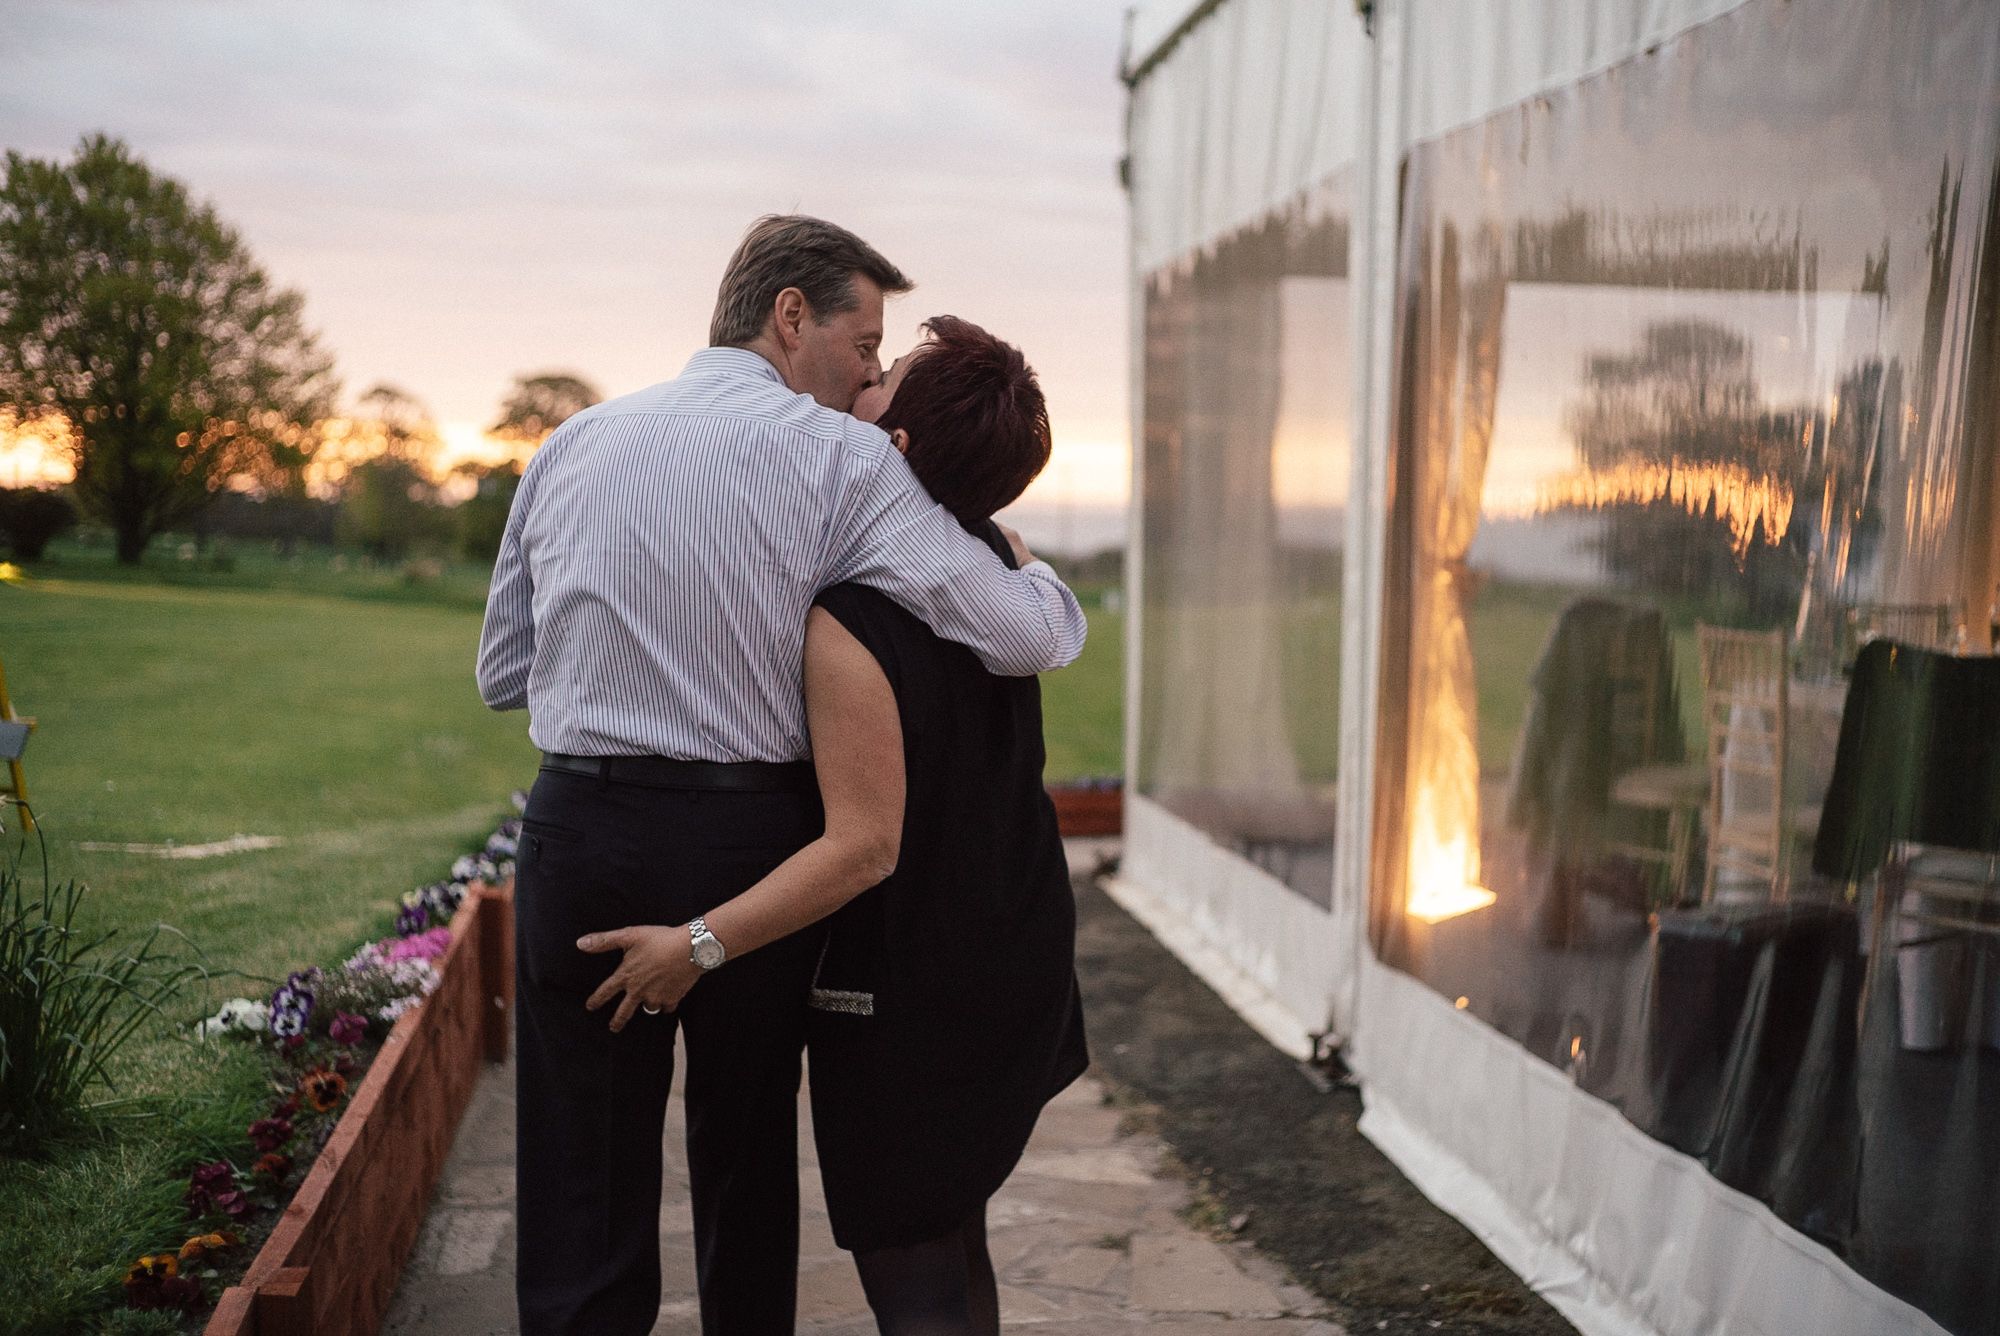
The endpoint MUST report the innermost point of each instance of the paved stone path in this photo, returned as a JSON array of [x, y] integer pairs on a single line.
[[1088, 1237]]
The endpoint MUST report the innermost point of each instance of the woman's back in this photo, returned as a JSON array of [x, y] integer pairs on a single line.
[[948, 1011]]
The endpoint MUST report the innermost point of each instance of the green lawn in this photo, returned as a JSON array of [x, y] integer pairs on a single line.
[[1083, 715], [310, 699], [346, 726]]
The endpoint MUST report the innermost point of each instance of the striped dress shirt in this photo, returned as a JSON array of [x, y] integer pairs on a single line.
[[664, 548]]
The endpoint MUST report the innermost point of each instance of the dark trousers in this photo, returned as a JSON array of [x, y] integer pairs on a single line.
[[592, 1104]]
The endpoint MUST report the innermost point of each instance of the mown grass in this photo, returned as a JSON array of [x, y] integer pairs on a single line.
[[187, 713], [325, 703], [1083, 713]]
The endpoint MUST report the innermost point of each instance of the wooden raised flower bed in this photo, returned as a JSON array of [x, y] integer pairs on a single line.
[[1095, 808], [331, 1266]]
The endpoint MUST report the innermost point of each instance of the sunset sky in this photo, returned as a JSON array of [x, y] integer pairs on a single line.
[[465, 192]]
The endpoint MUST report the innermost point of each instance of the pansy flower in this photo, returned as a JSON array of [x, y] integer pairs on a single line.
[[204, 1183], [201, 1245], [267, 1134], [144, 1280], [217, 1173], [291, 1007], [323, 1089], [274, 1165], [347, 1029]]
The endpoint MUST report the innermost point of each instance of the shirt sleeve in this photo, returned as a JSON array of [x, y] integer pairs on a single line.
[[896, 539], [507, 639]]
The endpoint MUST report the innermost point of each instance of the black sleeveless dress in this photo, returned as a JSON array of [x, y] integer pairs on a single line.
[[946, 1011]]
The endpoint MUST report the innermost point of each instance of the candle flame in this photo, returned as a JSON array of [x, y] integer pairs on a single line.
[[1444, 863]]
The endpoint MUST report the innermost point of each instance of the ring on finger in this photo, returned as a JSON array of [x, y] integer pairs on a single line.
[[650, 1011]]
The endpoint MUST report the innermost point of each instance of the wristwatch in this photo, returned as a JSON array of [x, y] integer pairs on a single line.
[[704, 948]]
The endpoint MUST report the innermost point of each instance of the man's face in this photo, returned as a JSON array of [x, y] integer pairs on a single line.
[[873, 402], [838, 359]]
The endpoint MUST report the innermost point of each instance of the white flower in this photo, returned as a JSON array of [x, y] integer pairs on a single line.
[[248, 1014], [238, 1013], [367, 958]]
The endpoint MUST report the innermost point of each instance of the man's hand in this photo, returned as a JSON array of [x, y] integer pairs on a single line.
[[1014, 540], [656, 971]]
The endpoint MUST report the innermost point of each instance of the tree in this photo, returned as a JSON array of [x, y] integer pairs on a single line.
[[540, 404], [137, 316], [32, 517], [407, 431], [482, 517], [1692, 468], [387, 507], [388, 503]]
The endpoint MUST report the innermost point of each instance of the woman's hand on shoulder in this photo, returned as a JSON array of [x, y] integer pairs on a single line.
[[1014, 540]]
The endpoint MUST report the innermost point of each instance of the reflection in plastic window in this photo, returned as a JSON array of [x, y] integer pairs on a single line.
[[1696, 401], [1246, 473]]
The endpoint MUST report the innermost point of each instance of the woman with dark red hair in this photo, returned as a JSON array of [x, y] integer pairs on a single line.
[[945, 1011]]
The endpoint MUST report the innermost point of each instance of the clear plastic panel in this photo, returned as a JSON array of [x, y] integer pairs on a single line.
[[1246, 475], [1696, 398]]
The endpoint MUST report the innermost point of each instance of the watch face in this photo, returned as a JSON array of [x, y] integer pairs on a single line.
[[708, 952]]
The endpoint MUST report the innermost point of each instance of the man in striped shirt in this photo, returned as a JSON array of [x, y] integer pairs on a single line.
[[649, 608]]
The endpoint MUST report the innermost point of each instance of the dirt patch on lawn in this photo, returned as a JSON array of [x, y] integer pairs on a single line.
[[1278, 1160]]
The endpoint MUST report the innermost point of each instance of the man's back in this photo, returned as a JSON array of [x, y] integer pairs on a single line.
[[665, 547]]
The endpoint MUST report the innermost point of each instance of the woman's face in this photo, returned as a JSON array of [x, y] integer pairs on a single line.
[[873, 401]]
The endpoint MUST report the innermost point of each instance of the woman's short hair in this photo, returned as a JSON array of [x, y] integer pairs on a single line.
[[979, 428], [783, 251]]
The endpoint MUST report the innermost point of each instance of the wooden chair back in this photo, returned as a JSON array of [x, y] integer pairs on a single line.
[[1927, 625], [1744, 678]]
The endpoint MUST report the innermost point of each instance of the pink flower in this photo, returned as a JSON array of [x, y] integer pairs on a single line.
[[232, 1204], [418, 946], [347, 1029]]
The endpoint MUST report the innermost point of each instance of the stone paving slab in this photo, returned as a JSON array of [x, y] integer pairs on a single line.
[[1088, 1238]]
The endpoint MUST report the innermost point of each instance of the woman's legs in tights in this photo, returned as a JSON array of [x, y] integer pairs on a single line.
[[942, 1287]]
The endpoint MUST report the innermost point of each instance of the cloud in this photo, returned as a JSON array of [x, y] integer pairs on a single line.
[[466, 191]]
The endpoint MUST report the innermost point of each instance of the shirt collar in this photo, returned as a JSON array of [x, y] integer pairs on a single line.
[[731, 362]]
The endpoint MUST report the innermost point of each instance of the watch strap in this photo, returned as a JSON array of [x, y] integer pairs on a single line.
[[698, 929]]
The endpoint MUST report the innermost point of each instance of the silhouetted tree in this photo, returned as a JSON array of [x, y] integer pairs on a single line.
[[136, 315], [388, 503], [31, 518], [1676, 417], [481, 518], [540, 404]]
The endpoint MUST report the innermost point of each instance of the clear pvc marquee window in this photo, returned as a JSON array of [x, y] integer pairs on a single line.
[[1696, 397], [1246, 458]]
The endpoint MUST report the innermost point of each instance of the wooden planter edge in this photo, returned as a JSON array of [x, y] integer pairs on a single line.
[[331, 1265], [1092, 811]]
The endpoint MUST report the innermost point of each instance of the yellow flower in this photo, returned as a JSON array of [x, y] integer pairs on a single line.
[[154, 1266], [201, 1245]]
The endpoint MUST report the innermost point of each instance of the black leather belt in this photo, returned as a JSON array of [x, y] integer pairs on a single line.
[[662, 772]]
